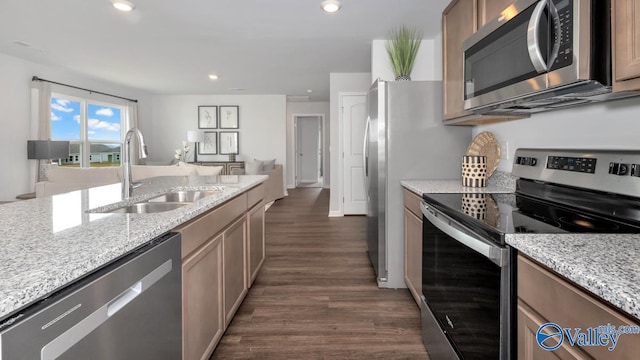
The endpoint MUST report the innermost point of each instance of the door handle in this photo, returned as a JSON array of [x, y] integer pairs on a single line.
[[498, 255], [533, 42], [365, 155]]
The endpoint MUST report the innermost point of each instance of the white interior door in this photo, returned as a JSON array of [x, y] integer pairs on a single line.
[[308, 145], [354, 118]]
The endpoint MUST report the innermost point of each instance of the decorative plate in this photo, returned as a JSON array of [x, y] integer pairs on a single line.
[[485, 144]]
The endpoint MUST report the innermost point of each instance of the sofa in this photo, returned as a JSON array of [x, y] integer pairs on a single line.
[[274, 186], [58, 179]]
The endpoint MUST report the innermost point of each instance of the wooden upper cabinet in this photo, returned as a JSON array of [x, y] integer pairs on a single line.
[[625, 18], [457, 25], [459, 21]]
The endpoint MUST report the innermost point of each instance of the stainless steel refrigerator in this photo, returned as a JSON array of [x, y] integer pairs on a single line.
[[404, 140]]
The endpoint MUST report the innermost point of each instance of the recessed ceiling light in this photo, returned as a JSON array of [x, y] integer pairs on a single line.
[[213, 76], [309, 91], [331, 6], [123, 5]]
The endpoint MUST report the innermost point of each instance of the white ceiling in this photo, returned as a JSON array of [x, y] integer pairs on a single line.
[[169, 47]]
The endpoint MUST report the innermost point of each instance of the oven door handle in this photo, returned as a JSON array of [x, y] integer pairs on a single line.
[[495, 253]]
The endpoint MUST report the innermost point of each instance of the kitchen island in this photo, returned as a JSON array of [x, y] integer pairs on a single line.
[[49, 242]]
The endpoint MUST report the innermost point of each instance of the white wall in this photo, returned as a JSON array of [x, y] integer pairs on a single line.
[[611, 125], [340, 82], [428, 64], [262, 125], [15, 107], [307, 108]]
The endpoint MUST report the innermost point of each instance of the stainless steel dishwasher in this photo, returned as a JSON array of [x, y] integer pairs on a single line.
[[129, 309]]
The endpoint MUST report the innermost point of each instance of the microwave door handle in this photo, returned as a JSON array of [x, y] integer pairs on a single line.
[[558, 38], [496, 254], [533, 42]]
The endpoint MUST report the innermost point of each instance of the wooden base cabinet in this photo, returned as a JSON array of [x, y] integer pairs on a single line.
[[544, 297], [257, 248], [222, 251], [203, 323], [625, 33], [413, 244], [235, 284]]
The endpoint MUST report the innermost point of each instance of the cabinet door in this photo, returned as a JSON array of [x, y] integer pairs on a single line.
[[256, 241], [202, 320], [413, 254], [235, 284], [626, 44], [528, 348], [490, 9], [458, 23]]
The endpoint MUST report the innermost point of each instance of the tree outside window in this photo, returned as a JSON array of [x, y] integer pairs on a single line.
[[93, 129]]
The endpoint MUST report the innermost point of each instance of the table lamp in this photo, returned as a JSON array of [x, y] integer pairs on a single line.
[[46, 150], [195, 137]]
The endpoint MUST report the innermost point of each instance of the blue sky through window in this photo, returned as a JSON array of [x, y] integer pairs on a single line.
[[103, 122]]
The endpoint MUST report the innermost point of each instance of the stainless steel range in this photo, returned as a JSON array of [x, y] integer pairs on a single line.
[[468, 270]]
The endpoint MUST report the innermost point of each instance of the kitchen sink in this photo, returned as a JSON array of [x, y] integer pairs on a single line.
[[148, 207], [165, 202], [182, 196]]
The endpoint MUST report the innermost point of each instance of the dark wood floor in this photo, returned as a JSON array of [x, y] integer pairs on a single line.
[[316, 297]]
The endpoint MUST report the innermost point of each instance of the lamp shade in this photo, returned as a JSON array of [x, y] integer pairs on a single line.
[[47, 149], [195, 136]]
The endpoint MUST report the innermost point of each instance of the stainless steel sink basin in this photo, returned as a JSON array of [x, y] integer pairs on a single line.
[[182, 196], [148, 207]]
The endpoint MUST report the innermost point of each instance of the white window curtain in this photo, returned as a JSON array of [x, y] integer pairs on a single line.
[[130, 122], [40, 120]]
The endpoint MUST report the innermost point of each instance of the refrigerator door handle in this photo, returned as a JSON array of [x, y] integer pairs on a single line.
[[365, 154]]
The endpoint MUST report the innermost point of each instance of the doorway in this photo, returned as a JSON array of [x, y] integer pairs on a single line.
[[308, 143]]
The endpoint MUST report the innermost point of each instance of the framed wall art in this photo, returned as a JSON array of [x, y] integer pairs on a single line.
[[229, 143], [209, 146], [207, 117], [229, 117]]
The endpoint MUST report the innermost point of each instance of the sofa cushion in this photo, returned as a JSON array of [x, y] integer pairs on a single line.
[[267, 165], [101, 175], [203, 170], [146, 171], [253, 167]]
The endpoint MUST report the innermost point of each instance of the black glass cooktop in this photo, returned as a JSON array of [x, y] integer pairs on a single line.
[[540, 208]]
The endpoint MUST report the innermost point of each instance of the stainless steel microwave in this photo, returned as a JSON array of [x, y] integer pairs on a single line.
[[540, 55]]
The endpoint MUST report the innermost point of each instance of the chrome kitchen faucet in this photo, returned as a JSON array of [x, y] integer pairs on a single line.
[[127, 184]]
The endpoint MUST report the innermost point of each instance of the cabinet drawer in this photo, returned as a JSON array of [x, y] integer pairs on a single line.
[[197, 231], [255, 195], [563, 303], [412, 202]]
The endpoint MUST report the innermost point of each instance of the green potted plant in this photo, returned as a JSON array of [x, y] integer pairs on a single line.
[[402, 48]]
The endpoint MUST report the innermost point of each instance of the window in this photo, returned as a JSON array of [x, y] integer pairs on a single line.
[[94, 130]]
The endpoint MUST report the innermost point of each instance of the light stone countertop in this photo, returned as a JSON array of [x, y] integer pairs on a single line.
[[50, 242], [607, 265]]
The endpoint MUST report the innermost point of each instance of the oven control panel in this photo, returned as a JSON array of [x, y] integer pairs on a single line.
[[612, 171], [568, 163]]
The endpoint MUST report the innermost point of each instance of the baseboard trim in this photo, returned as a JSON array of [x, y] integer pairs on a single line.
[[335, 213]]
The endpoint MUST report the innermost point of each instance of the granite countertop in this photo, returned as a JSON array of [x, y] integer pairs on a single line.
[[606, 265], [50, 242]]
